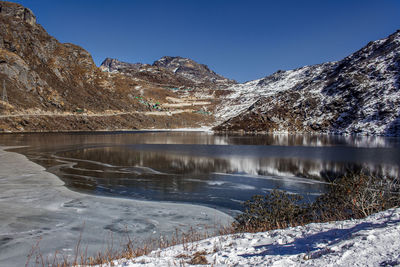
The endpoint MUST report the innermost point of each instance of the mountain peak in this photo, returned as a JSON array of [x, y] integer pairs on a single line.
[[114, 65], [177, 68], [170, 60], [192, 70]]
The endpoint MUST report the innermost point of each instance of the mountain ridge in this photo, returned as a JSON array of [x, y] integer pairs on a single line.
[[358, 94], [182, 70]]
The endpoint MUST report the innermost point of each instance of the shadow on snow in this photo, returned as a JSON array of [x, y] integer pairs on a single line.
[[312, 243]]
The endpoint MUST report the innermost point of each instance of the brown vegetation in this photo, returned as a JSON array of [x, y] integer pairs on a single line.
[[47, 76], [130, 250], [351, 196]]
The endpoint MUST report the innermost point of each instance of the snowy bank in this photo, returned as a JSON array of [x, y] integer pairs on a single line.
[[373, 241], [35, 205]]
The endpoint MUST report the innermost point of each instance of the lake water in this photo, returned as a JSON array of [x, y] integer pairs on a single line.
[[218, 171]]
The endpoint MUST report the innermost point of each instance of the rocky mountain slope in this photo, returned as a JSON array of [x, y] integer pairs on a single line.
[[359, 94], [48, 85], [41, 73], [146, 72], [175, 71]]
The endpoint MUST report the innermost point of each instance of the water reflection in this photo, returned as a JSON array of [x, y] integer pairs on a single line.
[[198, 138], [215, 170], [180, 159], [313, 140]]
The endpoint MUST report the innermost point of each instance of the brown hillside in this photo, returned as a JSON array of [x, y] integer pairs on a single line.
[[42, 76]]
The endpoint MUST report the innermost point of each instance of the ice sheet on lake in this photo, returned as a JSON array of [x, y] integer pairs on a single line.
[[35, 204]]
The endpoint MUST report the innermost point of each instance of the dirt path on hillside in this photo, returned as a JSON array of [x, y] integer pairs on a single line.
[[159, 113]]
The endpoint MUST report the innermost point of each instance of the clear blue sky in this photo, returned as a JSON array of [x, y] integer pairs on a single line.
[[242, 40]]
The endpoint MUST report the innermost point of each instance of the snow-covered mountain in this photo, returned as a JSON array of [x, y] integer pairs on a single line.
[[359, 94]]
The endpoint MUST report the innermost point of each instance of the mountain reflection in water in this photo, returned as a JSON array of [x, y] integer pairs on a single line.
[[202, 168]]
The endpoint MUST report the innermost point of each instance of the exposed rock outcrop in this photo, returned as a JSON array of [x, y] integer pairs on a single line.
[[17, 12]]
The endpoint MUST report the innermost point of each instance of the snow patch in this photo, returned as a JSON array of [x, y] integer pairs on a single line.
[[373, 241]]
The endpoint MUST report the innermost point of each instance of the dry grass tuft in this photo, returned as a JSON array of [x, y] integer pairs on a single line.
[[129, 251], [199, 258]]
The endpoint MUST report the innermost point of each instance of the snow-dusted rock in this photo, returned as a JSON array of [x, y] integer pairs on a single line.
[[359, 94]]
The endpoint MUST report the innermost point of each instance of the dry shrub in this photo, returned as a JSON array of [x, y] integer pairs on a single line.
[[354, 195], [357, 196], [275, 210]]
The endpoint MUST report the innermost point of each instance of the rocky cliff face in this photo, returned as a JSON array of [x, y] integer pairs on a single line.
[[359, 94], [18, 12]]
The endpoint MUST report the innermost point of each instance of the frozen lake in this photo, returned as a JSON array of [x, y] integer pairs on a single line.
[[202, 168], [190, 179]]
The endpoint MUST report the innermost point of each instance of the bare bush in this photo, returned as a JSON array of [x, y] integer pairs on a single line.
[[354, 195], [275, 210], [357, 196]]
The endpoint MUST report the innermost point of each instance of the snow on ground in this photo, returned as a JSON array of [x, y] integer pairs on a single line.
[[373, 241]]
